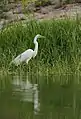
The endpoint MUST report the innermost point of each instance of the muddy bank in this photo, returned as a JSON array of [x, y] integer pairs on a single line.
[[13, 12]]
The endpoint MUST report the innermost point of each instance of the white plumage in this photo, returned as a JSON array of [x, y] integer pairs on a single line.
[[28, 54]]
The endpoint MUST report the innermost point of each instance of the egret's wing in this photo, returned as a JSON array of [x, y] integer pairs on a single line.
[[26, 55], [23, 57]]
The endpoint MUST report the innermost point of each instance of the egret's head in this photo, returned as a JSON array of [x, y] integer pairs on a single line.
[[39, 36]]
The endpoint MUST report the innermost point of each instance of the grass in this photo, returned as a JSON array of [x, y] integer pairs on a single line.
[[59, 53]]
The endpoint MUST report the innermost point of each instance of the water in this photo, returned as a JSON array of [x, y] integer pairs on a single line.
[[40, 97]]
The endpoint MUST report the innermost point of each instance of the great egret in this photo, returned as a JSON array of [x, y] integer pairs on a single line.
[[28, 54]]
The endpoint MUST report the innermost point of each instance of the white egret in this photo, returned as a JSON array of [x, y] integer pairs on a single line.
[[28, 54]]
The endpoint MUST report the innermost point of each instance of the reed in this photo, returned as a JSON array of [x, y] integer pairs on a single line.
[[59, 51]]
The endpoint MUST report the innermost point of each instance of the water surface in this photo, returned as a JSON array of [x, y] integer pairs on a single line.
[[40, 97]]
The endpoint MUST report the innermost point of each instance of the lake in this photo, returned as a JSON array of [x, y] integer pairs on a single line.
[[40, 97]]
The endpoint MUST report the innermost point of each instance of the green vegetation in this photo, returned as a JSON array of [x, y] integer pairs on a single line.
[[42, 3], [59, 53]]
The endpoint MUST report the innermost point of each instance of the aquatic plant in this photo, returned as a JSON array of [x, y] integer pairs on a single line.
[[60, 51]]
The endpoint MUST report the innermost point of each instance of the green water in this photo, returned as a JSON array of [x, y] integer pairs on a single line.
[[40, 97]]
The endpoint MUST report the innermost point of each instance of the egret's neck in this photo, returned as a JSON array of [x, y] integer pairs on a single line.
[[35, 39], [36, 47]]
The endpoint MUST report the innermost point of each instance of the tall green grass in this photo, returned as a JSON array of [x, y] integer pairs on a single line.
[[59, 52]]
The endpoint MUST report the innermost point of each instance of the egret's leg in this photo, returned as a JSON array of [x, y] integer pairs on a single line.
[[27, 60]]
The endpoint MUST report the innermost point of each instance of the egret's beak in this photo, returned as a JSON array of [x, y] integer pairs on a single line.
[[42, 37]]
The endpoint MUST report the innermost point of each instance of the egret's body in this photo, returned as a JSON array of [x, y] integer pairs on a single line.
[[28, 54]]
